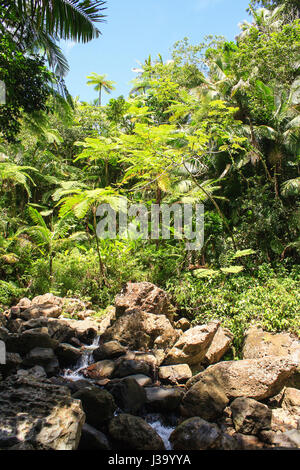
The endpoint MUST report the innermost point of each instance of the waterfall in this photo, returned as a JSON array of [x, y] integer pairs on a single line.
[[85, 360]]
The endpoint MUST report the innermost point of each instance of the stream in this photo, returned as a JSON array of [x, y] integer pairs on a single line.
[[155, 420]]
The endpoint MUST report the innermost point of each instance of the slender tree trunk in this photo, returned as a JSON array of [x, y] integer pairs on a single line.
[[51, 269], [101, 265], [100, 95]]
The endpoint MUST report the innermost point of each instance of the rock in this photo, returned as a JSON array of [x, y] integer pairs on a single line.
[[249, 416], [183, 324], [145, 296], [128, 394], [36, 371], [100, 370], [30, 339], [289, 439], [125, 367], [192, 346], [12, 363], [46, 305], [110, 350], [175, 374], [36, 412], [206, 399], [220, 345], [3, 333], [246, 442], [92, 439], [197, 434], [39, 356], [258, 379], [98, 405], [259, 343], [142, 331], [142, 380], [163, 399], [152, 358], [47, 299], [291, 398], [85, 330], [67, 355], [285, 419], [131, 432]]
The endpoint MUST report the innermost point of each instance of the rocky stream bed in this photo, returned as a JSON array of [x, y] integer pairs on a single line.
[[138, 379]]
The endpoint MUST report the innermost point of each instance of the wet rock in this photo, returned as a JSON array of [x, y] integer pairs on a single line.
[[249, 416], [175, 374], [98, 405], [36, 412], [100, 370], [145, 296], [131, 432], [252, 378], [192, 346], [219, 346], [128, 394], [163, 399], [142, 331], [67, 355], [110, 350], [92, 439], [197, 434]]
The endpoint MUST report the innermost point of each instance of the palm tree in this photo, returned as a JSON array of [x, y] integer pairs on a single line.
[[101, 82], [266, 21], [40, 24]]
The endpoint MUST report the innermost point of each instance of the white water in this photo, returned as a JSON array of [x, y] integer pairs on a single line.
[[163, 431], [85, 360]]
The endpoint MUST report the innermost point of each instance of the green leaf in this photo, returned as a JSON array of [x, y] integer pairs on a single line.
[[232, 269]]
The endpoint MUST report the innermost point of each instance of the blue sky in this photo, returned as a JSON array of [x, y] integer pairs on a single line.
[[136, 28]]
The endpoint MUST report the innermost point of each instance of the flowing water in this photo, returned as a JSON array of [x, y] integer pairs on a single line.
[[85, 360]]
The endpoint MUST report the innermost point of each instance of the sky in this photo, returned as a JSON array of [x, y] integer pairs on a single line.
[[136, 28]]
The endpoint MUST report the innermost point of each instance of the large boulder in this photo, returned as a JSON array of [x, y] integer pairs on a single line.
[[128, 394], [38, 413], [219, 346], [98, 405], [162, 399], [30, 339], [142, 331], [259, 343], [192, 346], [67, 355], [145, 296], [206, 399], [131, 432], [92, 439], [253, 378], [249, 416], [197, 434]]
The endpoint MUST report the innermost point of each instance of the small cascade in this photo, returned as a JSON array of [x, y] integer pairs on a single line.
[[85, 360], [163, 430]]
